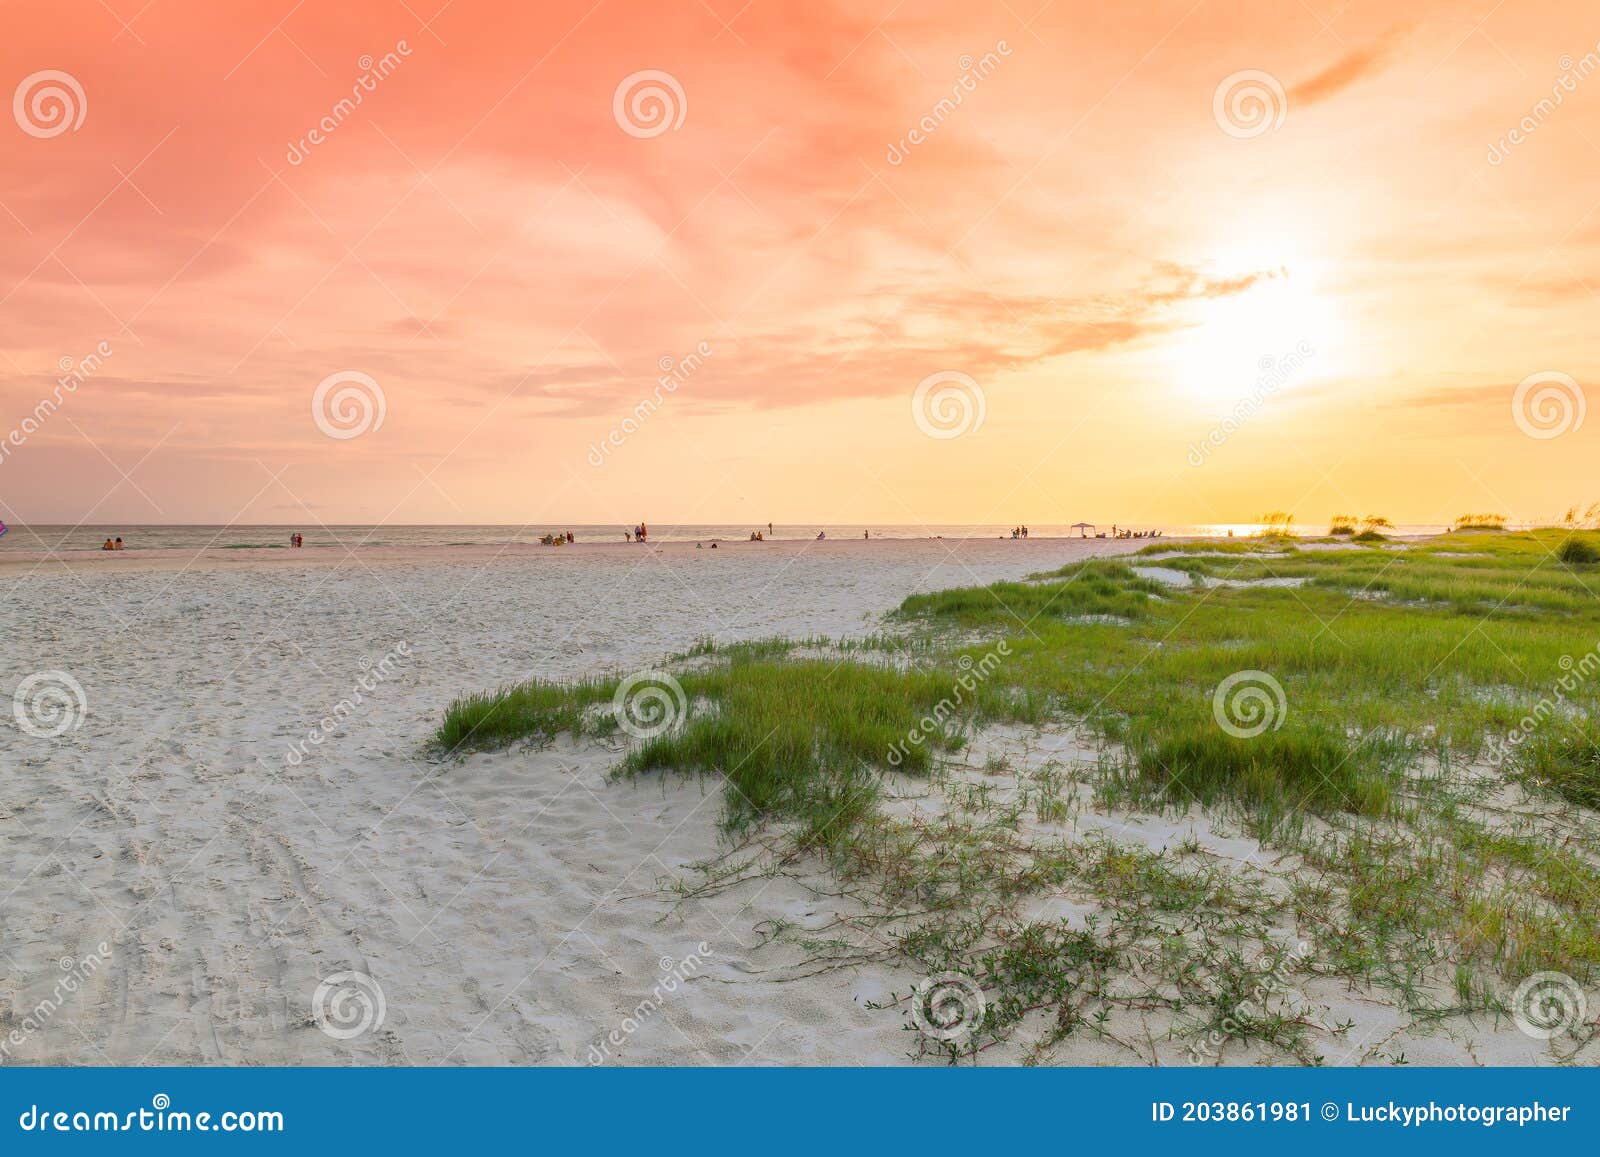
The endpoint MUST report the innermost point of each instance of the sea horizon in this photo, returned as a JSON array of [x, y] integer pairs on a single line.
[[210, 536]]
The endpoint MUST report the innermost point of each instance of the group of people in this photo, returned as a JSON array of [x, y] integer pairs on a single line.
[[1019, 532], [557, 538], [297, 540], [640, 533], [112, 544], [1116, 533]]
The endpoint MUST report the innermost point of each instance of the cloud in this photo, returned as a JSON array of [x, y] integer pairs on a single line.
[[1346, 71]]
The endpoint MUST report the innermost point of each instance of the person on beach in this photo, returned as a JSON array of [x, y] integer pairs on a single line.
[[108, 545], [627, 536], [119, 544], [821, 534]]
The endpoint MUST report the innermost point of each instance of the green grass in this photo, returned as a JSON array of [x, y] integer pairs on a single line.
[[1397, 664], [1565, 758], [1579, 552], [1314, 770]]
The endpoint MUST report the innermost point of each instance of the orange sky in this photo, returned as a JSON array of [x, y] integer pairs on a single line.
[[1102, 254]]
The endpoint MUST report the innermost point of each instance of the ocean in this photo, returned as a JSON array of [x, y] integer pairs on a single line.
[[240, 537]]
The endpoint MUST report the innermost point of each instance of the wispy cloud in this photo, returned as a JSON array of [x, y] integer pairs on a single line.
[[1353, 66]]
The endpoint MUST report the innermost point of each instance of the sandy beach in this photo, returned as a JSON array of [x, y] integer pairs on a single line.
[[508, 904], [218, 851]]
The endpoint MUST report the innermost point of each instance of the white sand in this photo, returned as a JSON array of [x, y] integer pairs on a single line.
[[509, 905], [506, 904]]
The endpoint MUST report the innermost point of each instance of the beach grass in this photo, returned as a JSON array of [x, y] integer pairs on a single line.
[[1361, 707]]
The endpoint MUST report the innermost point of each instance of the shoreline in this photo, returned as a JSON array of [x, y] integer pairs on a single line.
[[242, 558]]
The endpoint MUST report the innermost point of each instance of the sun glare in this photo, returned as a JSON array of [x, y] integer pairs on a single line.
[[1275, 335]]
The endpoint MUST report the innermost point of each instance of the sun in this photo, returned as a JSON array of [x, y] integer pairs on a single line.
[[1278, 332]]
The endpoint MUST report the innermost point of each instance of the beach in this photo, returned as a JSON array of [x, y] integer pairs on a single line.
[[508, 904], [242, 838]]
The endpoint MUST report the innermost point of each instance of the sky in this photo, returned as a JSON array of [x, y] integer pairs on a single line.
[[726, 261]]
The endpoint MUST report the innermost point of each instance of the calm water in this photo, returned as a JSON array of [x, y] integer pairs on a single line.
[[89, 537]]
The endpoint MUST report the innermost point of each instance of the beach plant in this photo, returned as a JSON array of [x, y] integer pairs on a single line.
[[1479, 522], [1276, 524], [1381, 678], [1577, 551]]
